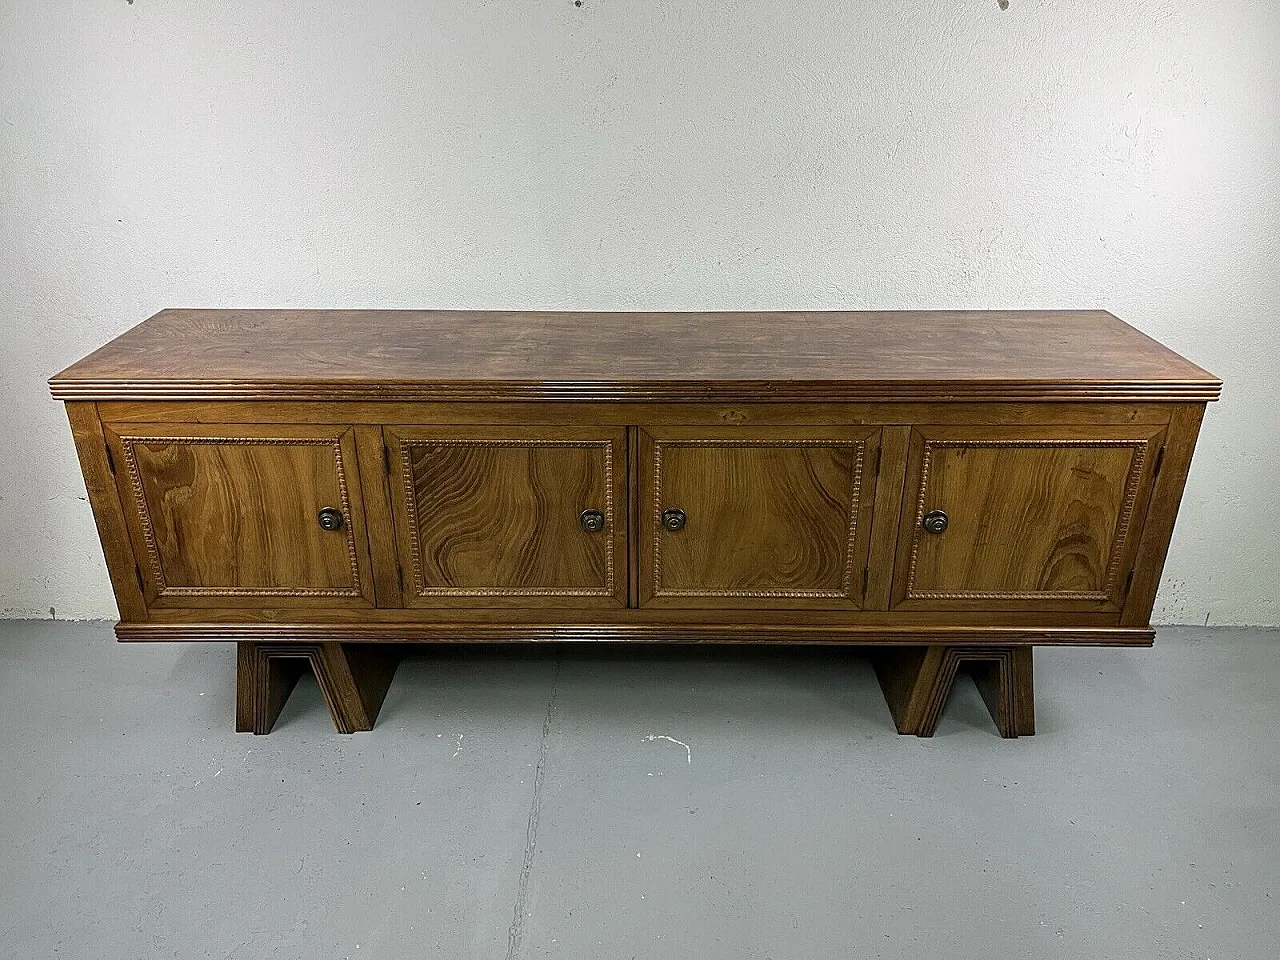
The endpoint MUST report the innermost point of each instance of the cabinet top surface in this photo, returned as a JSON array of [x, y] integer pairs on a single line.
[[509, 355]]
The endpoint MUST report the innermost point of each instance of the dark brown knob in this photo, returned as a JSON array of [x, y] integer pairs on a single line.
[[673, 518], [592, 521], [330, 518], [935, 521]]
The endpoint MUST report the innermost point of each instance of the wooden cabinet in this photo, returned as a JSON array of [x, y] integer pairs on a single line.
[[511, 515], [949, 489], [759, 517]]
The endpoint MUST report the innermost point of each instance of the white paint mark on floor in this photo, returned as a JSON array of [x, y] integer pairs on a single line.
[[459, 749], [662, 736]]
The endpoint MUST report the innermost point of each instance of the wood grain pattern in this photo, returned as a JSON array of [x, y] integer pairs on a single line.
[[776, 517], [375, 483], [458, 355], [1035, 519], [228, 515], [491, 517]]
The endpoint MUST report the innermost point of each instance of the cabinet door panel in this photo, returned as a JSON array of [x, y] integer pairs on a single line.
[[773, 517], [1035, 518], [228, 514], [493, 515]]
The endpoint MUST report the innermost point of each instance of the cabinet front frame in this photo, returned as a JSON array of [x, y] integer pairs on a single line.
[[93, 421]]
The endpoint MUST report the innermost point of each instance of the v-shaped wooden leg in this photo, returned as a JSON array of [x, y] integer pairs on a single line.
[[353, 678], [917, 682]]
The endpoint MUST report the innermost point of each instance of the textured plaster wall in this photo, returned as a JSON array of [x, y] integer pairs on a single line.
[[711, 154]]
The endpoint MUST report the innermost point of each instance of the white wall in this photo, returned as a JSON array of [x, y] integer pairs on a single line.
[[710, 154]]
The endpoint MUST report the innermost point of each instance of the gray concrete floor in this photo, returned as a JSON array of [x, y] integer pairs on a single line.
[[526, 803]]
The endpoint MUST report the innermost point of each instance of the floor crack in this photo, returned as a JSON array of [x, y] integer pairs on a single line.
[[515, 933]]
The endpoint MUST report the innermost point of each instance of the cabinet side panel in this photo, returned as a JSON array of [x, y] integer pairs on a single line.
[[1162, 511], [108, 514]]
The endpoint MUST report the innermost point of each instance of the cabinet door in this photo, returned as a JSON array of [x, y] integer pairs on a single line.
[[513, 516], [243, 515], [755, 517], [1022, 518]]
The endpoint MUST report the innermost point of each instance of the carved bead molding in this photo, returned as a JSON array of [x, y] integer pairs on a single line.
[[420, 586], [1118, 543], [164, 589], [846, 587]]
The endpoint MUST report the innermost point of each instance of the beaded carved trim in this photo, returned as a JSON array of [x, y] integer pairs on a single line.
[[164, 589], [421, 588], [1117, 544], [859, 446]]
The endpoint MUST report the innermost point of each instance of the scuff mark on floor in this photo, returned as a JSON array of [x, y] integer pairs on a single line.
[[459, 747], [662, 736]]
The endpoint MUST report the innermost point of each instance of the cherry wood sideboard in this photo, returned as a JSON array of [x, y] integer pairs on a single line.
[[952, 488]]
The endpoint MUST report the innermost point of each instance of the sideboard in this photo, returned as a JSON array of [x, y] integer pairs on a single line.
[[950, 489]]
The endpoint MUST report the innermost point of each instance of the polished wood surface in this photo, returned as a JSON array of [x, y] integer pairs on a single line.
[[775, 517], [229, 514], [497, 355], [459, 451], [1038, 518], [493, 516]]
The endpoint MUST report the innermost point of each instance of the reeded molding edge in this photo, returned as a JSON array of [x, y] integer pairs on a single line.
[[669, 391], [735, 633]]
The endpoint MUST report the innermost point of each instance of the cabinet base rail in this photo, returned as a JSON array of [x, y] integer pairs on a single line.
[[474, 631]]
